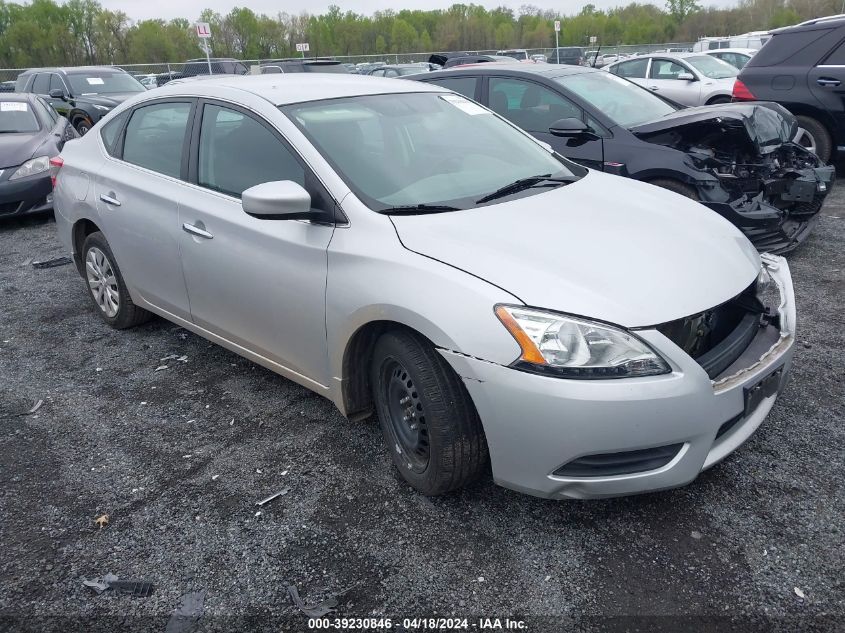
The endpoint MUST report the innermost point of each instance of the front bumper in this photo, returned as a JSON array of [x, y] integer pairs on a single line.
[[536, 424], [33, 194], [783, 215]]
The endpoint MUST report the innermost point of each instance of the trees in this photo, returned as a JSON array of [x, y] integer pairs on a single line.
[[44, 32]]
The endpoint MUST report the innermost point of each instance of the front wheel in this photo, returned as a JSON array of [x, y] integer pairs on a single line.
[[106, 286], [813, 136], [83, 126], [429, 423]]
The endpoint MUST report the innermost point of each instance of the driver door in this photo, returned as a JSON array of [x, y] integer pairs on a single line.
[[534, 108], [663, 80]]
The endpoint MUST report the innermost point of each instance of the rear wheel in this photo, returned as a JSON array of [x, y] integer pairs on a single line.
[[106, 286], [428, 420], [815, 137], [676, 186]]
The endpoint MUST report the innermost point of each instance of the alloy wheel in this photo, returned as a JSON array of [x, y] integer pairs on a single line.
[[102, 281], [805, 140]]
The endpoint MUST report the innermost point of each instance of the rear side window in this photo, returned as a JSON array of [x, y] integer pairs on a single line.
[[237, 152], [837, 57], [635, 69], [110, 132], [784, 45], [155, 137], [41, 85], [462, 85]]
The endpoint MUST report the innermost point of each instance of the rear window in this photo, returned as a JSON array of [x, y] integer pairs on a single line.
[[782, 46], [16, 116]]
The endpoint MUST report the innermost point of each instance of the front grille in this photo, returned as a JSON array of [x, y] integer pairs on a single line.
[[623, 463], [715, 338], [9, 207]]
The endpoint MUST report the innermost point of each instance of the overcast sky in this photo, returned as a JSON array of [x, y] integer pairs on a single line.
[[144, 9]]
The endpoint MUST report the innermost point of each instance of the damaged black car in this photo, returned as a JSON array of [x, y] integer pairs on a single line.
[[738, 159]]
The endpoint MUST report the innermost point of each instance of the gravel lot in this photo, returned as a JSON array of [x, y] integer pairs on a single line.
[[178, 458]]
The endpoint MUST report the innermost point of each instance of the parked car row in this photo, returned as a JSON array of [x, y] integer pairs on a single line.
[[405, 252]]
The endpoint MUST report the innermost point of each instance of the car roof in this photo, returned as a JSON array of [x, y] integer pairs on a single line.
[[73, 70], [16, 96], [283, 89], [518, 68], [747, 51]]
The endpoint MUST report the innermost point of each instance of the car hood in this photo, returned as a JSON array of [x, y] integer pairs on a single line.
[[110, 100], [603, 247], [768, 125], [16, 149]]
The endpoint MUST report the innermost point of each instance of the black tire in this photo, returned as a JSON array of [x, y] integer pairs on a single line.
[[83, 126], [127, 314], [819, 132], [413, 385], [676, 186]]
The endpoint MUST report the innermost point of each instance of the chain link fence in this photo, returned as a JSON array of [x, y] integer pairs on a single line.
[[160, 72]]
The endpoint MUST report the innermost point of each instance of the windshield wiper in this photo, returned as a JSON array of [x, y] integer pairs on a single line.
[[526, 183], [418, 209]]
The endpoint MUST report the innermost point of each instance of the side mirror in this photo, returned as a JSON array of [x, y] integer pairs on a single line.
[[569, 127], [58, 93], [278, 200], [686, 77]]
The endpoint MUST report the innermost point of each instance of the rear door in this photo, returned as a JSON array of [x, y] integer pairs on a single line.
[[663, 79], [136, 193], [635, 70], [260, 283], [534, 107], [827, 83]]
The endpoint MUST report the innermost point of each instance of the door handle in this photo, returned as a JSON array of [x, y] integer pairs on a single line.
[[823, 81], [195, 230], [110, 200]]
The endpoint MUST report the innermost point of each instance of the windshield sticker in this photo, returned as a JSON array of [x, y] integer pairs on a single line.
[[94, 81], [14, 106], [464, 104]]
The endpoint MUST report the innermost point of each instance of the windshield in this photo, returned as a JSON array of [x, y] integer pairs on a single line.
[[103, 82], [711, 67], [408, 149], [620, 100], [16, 116]]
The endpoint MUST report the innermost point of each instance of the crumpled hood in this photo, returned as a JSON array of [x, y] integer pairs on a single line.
[[110, 100], [768, 125], [604, 247], [16, 149]]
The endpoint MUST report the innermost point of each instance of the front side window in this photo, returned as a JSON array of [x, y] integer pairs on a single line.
[[103, 82], [635, 69], [155, 137], [237, 152], [56, 83], [711, 67], [665, 69], [530, 106], [462, 85], [620, 100], [432, 149]]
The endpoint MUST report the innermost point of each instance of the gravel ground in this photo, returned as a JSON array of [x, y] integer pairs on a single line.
[[178, 458]]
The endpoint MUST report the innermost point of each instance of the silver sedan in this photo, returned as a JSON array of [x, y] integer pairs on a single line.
[[691, 79], [406, 253]]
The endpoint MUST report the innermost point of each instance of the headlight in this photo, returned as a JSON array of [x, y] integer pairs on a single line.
[[32, 167], [576, 348], [102, 107]]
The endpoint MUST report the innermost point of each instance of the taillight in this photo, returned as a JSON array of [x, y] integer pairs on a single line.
[[56, 164], [742, 93]]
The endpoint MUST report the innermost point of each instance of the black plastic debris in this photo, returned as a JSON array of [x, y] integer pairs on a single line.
[[134, 588], [185, 617], [52, 263], [312, 610]]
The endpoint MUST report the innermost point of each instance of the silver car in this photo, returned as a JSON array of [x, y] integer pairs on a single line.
[[691, 79], [404, 252]]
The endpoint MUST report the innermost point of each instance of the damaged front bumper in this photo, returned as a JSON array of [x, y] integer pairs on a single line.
[[783, 214], [563, 438]]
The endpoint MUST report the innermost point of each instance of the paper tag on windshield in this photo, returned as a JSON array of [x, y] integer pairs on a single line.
[[14, 106], [94, 81], [464, 104]]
